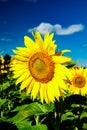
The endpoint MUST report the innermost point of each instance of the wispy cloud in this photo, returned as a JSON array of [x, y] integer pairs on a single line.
[[69, 30], [57, 28], [3, 39]]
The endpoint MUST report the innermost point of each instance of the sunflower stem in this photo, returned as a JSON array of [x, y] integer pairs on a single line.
[[37, 120], [58, 113]]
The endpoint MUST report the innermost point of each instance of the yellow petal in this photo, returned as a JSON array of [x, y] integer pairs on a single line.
[[38, 37], [61, 59], [22, 51], [25, 83], [30, 86], [29, 42], [57, 92], [21, 58], [21, 65], [50, 92], [35, 90], [64, 71], [49, 44], [85, 72], [45, 96], [51, 49], [42, 91], [18, 73], [48, 39], [22, 77]]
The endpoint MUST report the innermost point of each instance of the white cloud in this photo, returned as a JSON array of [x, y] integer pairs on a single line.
[[57, 28], [42, 28], [69, 30]]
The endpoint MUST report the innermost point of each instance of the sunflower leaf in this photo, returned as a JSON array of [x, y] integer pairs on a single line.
[[30, 110], [36, 127], [72, 64]]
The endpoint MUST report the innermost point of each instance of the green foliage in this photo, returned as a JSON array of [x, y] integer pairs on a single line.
[[74, 113], [18, 110]]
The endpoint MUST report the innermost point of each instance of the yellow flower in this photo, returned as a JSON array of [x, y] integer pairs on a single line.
[[78, 81], [1, 64], [38, 69]]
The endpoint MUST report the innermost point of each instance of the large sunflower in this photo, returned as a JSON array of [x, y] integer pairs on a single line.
[[39, 69], [78, 81]]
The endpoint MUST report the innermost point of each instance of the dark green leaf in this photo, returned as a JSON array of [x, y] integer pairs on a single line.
[[72, 64]]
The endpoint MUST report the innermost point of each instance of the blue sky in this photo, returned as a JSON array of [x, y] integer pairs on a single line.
[[66, 18]]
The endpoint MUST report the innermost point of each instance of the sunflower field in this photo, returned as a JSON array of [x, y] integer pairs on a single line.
[[42, 89]]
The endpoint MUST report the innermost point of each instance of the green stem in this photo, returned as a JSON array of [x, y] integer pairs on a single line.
[[58, 113], [37, 120], [1, 114]]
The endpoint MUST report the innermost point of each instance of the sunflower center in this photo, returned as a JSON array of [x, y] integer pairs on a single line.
[[79, 81], [41, 67]]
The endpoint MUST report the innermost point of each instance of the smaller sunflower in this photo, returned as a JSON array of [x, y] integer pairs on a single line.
[[77, 82]]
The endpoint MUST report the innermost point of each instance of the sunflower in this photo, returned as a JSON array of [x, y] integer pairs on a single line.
[[78, 81], [1, 64], [39, 69]]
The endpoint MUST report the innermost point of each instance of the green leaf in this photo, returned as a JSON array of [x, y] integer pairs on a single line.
[[84, 114], [19, 108], [36, 127], [2, 101], [72, 64], [19, 117], [35, 108], [22, 124], [4, 85], [30, 110], [39, 109], [67, 115], [48, 107], [84, 126]]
